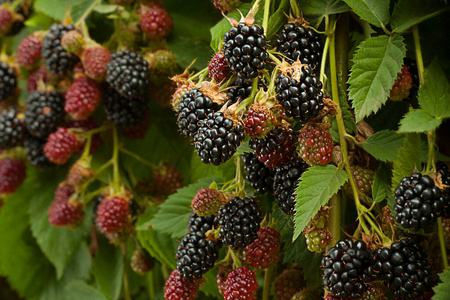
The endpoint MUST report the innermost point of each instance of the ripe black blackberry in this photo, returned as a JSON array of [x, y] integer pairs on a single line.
[[34, 149], [299, 91], [298, 41], [239, 222], [286, 180], [128, 74], [258, 175], [44, 113], [193, 108], [242, 88], [8, 81], [442, 168], [218, 137], [201, 224], [245, 49], [196, 254], [12, 128], [404, 268], [122, 111], [346, 268], [419, 202], [58, 60]]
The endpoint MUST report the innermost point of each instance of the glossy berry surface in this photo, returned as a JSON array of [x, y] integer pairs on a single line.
[[218, 67], [8, 81], [318, 239], [241, 284], [95, 60], [156, 22], [402, 85], [34, 148], [29, 51], [264, 252], [113, 214], [12, 128], [226, 5], [141, 261], [315, 145], [82, 98], [258, 175], [259, 121], [207, 201], [179, 288], [12, 174], [60, 146], [64, 212]]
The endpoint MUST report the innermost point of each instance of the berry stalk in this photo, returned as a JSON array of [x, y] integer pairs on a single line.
[[418, 48], [442, 243], [138, 158], [126, 288], [267, 283], [265, 23], [115, 160]]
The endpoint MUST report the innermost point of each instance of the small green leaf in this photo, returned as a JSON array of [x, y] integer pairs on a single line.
[[322, 8], [408, 13], [381, 183], [377, 62], [77, 290], [442, 290], [82, 8], [408, 158], [418, 121], [174, 212], [316, 187], [108, 269], [384, 145], [244, 148], [277, 19], [375, 12], [106, 8], [434, 93]]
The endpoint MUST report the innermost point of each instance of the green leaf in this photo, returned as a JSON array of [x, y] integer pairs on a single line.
[[408, 158], [442, 290], [82, 8], [106, 8], [322, 8], [57, 8], [77, 290], [408, 13], [108, 269], [375, 12], [316, 187], [277, 19], [418, 121], [377, 62], [434, 93], [384, 145], [381, 183], [57, 243], [244, 148], [174, 212]]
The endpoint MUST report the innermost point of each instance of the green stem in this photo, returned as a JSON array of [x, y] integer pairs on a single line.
[[431, 160], [354, 140], [97, 130], [266, 16], [442, 243], [151, 286], [115, 160], [200, 73], [418, 48], [236, 261], [342, 49], [274, 58], [138, 158], [87, 147], [267, 283], [126, 287], [324, 60], [334, 222]]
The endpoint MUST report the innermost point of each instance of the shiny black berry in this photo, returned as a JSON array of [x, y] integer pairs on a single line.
[[245, 49], [8, 81], [12, 129], [239, 222], [197, 223], [218, 138], [58, 60], [286, 180], [345, 268], [299, 91], [128, 74], [34, 148], [242, 88], [298, 42], [418, 202], [258, 175]]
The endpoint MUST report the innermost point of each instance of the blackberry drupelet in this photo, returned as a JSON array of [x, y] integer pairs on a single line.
[[242, 88], [404, 268], [276, 148], [299, 91], [128, 74], [44, 113], [241, 284], [12, 128], [196, 254], [193, 108], [197, 223], [264, 252], [34, 149], [300, 42], [259, 121], [122, 111], [245, 49], [8, 81], [419, 202], [208, 201], [258, 175], [179, 288], [239, 222], [58, 60], [285, 182], [346, 268], [442, 168], [218, 138]]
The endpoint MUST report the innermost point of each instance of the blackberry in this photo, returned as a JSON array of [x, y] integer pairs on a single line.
[[402, 85], [241, 284], [276, 148], [218, 69], [239, 222], [245, 49], [44, 113], [258, 175], [34, 149], [419, 202], [23, 10], [226, 5], [259, 121], [12, 129], [442, 168], [318, 239], [193, 108], [264, 252], [218, 138], [412, 67], [404, 268], [346, 268], [196, 254], [208, 201], [299, 42], [8, 81], [58, 60], [179, 288], [285, 182], [315, 144], [222, 274], [12, 174], [299, 91], [141, 261], [122, 111], [197, 223], [242, 88], [128, 74], [289, 282]]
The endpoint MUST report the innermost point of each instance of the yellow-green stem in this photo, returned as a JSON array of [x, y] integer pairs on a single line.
[[266, 15], [151, 285], [236, 261], [97, 130], [267, 283], [324, 60], [431, 161], [334, 222], [115, 159], [126, 287], [138, 158], [87, 147], [442, 243], [418, 48]]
